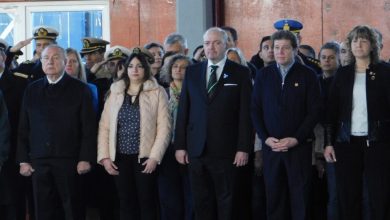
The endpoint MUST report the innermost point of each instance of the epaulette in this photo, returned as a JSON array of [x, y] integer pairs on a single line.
[[28, 62], [22, 75], [314, 61]]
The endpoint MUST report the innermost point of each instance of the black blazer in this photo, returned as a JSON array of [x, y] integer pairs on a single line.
[[339, 105], [218, 126], [57, 121]]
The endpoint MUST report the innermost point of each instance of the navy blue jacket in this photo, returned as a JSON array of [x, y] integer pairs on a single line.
[[289, 110], [57, 121], [220, 126]]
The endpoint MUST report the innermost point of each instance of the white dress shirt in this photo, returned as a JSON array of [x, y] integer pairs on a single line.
[[220, 65]]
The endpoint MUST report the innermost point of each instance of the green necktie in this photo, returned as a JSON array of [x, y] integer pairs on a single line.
[[212, 80]]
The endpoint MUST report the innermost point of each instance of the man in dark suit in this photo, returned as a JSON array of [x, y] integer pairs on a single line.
[[285, 109], [12, 190], [213, 130], [57, 136]]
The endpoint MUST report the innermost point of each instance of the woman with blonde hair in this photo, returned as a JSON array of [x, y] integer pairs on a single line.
[[75, 68]]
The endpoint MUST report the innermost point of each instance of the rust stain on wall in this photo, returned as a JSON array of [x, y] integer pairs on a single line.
[[136, 22], [323, 20]]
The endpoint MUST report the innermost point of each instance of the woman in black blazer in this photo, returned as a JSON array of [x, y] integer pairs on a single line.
[[358, 128]]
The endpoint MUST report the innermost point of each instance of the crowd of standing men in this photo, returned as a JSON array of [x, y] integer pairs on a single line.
[[149, 133]]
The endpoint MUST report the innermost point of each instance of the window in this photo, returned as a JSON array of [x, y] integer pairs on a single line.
[[72, 19]]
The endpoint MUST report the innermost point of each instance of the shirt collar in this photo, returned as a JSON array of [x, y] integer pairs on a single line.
[[1, 74], [220, 64], [55, 82], [286, 69]]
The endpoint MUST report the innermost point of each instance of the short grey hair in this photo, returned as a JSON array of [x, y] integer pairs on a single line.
[[62, 50], [176, 38], [221, 32]]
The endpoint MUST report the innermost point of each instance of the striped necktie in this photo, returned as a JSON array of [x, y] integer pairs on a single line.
[[212, 80]]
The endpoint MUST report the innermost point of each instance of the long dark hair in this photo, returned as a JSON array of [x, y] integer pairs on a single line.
[[145, 65]]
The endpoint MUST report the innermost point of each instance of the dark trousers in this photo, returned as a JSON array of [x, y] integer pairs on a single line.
[[258, 198], [318, 196], [99, 193], [12, 192], [353, 160], [137, 191], [212, 182], [287, 182], [53, 180], [174, 189], [333, 204], [242, 199]]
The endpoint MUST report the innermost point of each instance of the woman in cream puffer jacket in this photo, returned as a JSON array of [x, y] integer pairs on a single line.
[[155, 121], [134, 132]]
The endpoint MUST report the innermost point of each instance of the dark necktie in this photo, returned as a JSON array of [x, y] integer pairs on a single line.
[[212, 80]]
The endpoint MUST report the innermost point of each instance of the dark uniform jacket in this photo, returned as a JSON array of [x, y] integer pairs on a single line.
[[57, 121], [31, 69], [311, 62], [13, 87], [4, 131], [102, 85], [339, 113], [218, 126], [289, 110], [10, 179]]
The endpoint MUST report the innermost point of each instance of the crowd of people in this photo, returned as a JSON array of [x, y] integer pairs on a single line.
[[149, 133]]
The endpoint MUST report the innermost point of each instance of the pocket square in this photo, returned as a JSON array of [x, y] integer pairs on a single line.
[[229, 84]]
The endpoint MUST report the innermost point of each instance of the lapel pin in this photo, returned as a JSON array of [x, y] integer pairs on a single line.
[[372, 77], [372, 73], [296, 84], [225, 75]]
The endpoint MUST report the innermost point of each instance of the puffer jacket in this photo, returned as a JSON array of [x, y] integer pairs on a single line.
[[155, 123]]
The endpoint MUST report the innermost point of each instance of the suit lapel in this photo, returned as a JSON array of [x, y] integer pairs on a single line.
[[203, 80]]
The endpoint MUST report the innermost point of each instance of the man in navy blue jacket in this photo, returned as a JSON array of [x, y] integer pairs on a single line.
[[285, 108], [57, 136]]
